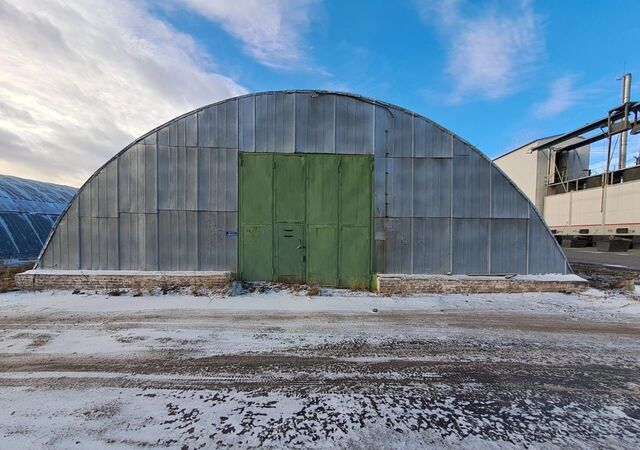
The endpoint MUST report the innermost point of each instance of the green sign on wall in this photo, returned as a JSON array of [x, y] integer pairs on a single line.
[[306, 218]]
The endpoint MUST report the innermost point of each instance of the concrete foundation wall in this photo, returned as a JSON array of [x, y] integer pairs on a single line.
[[460, 284], [109, 280]]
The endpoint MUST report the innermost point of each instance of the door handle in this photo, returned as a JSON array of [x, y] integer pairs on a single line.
[[300, 246]]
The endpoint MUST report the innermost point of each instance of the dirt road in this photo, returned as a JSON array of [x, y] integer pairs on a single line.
[[492, 371]]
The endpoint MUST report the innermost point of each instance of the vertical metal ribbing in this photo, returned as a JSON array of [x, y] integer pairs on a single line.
[[411, 220], [528, 233], [295, 138], [490, 222], [158, 201], [451, 207], [197, 173]]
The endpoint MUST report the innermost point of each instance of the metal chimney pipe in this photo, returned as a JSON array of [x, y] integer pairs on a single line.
[[626, 97]]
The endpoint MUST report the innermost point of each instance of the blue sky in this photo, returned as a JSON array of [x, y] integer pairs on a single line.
[[499, 73], [400, 52]]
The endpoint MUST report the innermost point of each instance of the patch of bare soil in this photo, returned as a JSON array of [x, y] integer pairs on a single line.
[[603, 277]]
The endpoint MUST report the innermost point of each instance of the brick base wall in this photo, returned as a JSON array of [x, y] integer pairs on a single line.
[[111, 280], [441, 284]]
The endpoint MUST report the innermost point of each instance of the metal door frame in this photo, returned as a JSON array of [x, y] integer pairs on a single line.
[[306, 208]]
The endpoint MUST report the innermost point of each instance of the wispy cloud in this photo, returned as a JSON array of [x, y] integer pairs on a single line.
[[271, 30], [491, 49], [563, 95], [81, 79]]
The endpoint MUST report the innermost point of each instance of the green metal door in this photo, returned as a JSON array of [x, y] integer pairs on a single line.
[[306, 218], [290, 245], [256, 216], [323, 189], [355, 221], [290, 195]]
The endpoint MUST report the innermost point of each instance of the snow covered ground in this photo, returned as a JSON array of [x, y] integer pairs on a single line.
[[341, 370]]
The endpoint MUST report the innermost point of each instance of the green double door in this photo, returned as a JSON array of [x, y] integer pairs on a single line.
[[306, 218]]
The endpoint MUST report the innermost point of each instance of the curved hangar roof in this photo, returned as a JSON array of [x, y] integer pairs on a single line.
[[169, 201], [28, 210]]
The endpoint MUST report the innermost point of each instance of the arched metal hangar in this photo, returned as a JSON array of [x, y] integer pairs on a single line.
[[310, 186]]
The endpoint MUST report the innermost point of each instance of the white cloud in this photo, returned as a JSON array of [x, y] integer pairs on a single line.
[[82, 79], [490, 49], [270, 30], [562, 96]]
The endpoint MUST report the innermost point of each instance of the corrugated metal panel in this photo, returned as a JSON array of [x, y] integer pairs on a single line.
[[94, 186], [182, 132], [399, 187], [217, 174], [73, 235], [246, 116], [506, 201], [191, 177], [140, 180], [471, 193], [380, 246], [224, 125], [402, 134], [226, 182], [112, 230], [150, 179], [383, 133], [84, 201], [173, 133], [470, 246], [163, 136], [275, 123], [178, 240], [431, 141], [398, 257], [380, 187], [86, 242], [508, 246], [431, 241], [124, 202], [191, 130], [353, 126], [315, 123], [544, 254], [137, 241], [102, 193], [204, 128], [62, 258], [111, 189], [432, 187], [126, 230], [217, 237]]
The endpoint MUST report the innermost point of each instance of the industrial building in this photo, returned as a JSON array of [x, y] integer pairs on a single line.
[[582, 202], [28, 210], [302, 186]]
